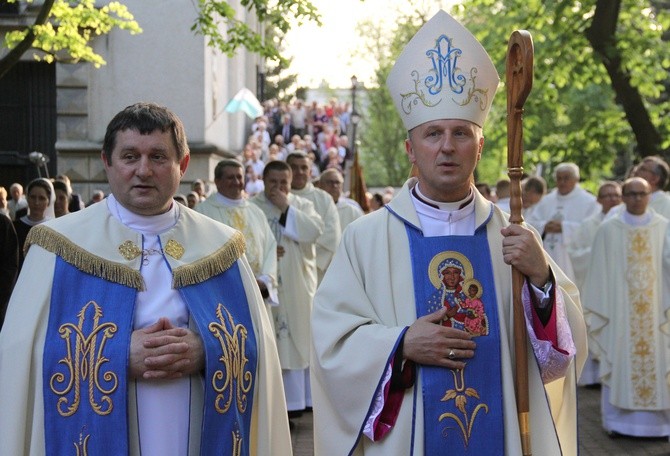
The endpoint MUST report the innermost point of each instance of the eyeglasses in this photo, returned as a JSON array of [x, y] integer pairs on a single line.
[[635, 194], [610, 195]]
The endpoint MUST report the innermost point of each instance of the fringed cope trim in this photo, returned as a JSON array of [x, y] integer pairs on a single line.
[[83, 260], [211, 265], [190, 274]]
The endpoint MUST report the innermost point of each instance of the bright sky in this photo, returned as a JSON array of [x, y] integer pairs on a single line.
[[331, 52]]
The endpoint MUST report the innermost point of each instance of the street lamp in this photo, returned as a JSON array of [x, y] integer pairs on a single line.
[[39, 160]]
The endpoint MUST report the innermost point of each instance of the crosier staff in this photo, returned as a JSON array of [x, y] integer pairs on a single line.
[[519, 77]]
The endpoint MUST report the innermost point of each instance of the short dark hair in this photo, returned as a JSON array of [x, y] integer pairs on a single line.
[[62, 186], [298, 155], [226, 163], [661, 169], [146, 118], [276, 165], [535, 184]]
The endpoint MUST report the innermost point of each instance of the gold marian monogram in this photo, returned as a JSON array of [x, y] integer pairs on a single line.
[[84, 361], [235, 380], [460, 394], [82, 445], [237, 444]]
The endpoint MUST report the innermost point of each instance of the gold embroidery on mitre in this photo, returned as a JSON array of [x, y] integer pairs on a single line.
[[174, 249], [83, 363], [211, 265], [460, 394], [235, 380], [85, 261], [641, 280], [129, 250]]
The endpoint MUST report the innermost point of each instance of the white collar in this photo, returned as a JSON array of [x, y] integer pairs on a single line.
[[225, 201], [145, 224], [636, 220]]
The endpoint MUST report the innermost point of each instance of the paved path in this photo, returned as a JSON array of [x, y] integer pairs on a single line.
[[593, 441]]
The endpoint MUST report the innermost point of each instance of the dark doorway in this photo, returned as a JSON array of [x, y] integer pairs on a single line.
[[27, 122]]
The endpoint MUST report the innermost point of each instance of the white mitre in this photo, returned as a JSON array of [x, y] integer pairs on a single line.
[[443, 73]]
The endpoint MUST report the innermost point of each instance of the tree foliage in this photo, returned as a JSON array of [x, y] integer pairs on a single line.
[[576, 110], [278, 80], [215, 15], [63, 31], [382, 132]]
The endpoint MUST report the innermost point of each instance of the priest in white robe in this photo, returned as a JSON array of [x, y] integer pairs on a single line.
[[119, 332], [301, 185], [296, 227], [228, 205], [558, 215], [627, 299], [331, 182], [656, 172], [412, 325], [609, 197]]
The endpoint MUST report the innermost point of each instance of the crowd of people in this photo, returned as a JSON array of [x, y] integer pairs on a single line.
[[204, 327], [615, 246]]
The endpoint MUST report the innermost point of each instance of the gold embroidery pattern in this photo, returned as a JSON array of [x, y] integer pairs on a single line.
[[235, 380], [82, 445], [641, 277], [237, 443], [211, 265], [83, 260], [238, 221], [460, 395], [174, 249], [129, 250], [84, 361]]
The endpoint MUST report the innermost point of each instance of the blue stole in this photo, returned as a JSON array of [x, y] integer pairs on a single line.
[[463, 411], [86, 361], [84, 378], [221, 311]]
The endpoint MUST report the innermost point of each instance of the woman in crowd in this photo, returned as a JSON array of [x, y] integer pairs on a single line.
[[41, 198], [62, 203]]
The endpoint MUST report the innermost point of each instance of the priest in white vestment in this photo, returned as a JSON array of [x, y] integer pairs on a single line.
[[558, 215], [627, 298], [331, 182], [119, 330], [609, 197], [296, 227], [301, 185], [412, 324], [228, 205], [656, 172]]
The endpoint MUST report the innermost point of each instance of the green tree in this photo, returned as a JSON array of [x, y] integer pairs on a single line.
[[280, 15], [600, 69], [599, 94], [63, 30], [279, 83], [382, 134]]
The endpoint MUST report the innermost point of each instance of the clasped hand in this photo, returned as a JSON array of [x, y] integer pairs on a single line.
[[163, 351]]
